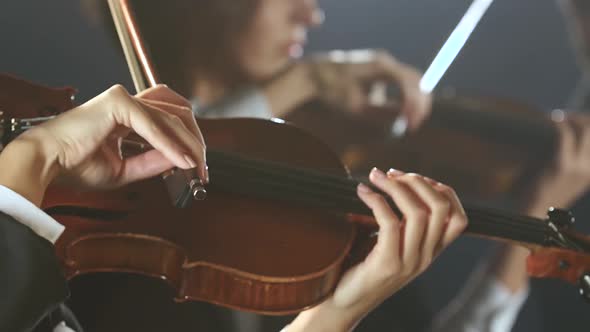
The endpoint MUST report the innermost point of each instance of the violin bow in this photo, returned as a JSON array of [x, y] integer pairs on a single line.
[[181, 185], [446, 55]]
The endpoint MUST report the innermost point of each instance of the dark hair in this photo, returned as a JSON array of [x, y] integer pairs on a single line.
[[186, 38]]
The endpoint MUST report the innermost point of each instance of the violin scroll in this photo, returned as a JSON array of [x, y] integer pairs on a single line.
[[571, 262], [562, 264]]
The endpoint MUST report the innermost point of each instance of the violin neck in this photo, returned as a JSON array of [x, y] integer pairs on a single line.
[[259, 178], [234, 173]]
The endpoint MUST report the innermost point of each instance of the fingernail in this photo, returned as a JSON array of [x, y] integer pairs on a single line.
[[191, 163], [378, 174], [364, 188], [394, 172]]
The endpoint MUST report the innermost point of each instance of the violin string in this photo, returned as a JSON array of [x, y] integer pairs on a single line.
[[333, 191], [483, 226], [516, 223], [349, 185], [350, 205], [307, 184], [311, 181], [513, 224], [347, 201]]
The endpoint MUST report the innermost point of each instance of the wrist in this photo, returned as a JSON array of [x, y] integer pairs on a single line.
[[27, 168], [325, 318], [290, 89]]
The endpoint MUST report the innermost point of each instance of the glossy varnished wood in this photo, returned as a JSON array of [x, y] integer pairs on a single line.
[[242, 252], [559, 264], [567, 265], [246, 253]]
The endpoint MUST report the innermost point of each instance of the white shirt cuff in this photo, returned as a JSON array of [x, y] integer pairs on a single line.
[[30, 215]]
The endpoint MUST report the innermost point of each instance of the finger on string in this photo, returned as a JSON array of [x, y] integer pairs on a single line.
[[448, 191], [457, 220], [456, 227], [457, 215], [412, 208], [388, 242], [440, 209]]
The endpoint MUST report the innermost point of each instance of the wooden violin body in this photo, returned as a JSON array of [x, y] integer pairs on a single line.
[[274, 234], [242, 252]]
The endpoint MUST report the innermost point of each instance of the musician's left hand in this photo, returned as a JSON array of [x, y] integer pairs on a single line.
[[433, 218]]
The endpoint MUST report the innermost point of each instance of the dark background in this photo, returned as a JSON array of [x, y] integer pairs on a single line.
[[520, 50]]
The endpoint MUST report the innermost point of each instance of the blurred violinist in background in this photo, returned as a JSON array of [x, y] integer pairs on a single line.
[[244, 59]]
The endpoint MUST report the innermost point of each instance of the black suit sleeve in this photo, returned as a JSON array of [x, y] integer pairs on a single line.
[[31, 282]]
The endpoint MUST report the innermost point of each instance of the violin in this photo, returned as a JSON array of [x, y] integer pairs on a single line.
[[278, 226], [488, 149], [276, 230]]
